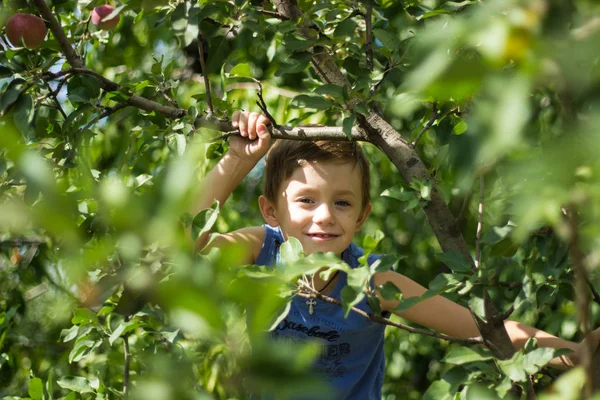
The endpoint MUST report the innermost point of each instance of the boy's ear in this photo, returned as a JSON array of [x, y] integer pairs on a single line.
[[268, 211], [363, 217]]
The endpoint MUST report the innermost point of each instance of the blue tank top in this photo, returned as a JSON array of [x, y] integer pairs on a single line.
[[353, 358]]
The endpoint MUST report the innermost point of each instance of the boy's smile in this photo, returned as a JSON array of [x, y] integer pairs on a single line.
[[320, 205]]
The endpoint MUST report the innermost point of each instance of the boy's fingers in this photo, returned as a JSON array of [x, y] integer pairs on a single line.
[[262, 119], [234, 119], [243, 123], [252, 118], [262, 131]]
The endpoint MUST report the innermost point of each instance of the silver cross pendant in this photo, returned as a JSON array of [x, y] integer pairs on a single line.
[[310, 303]]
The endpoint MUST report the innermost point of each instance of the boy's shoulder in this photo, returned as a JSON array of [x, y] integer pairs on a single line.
[[250, 238]]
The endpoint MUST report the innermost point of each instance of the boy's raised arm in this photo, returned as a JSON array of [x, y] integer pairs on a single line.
[[244, 152], [440, 314]]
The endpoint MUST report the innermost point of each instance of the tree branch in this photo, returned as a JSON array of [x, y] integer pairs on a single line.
[[307, 291], [582, 299], [369, 36], [59, 34], [106, 113], [595, 294], [428, 125], [204, 72], [272, 14]]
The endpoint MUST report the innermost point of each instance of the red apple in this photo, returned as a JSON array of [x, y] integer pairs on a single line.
[[29, 28], [98, 17]]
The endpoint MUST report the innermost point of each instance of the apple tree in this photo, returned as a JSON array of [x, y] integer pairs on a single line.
[[480, 121]]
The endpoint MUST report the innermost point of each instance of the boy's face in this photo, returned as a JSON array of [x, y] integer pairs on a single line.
[[320, 205]]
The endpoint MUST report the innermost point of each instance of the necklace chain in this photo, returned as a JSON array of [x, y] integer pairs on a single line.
[[329, 281], [311, 302]]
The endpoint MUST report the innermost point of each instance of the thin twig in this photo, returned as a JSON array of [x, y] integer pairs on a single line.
[[306, 291], [262, 105], [506, 314], [204, 72], [595, 293], [22, 241], [369, 38], [582, 298], [272, 14], [11, 183], [106, 113], [427, 125], [479, 224]]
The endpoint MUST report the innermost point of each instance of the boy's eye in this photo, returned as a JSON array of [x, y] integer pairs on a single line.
[[342, 203], [305, 201]]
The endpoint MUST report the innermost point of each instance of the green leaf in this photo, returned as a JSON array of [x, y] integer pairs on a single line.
[[460, 128], [122, 329], [281, 315], [477, 304], [388, 39], [345, 28], [291, 250], [306, 101], [36, 389], [389, 291], [156, 68], [5, 72], [69, 334], [76, 384], [358, 277], [465, 355], [350, 298], [170, 336], [84, 316], [11, 94], [335, 91], [370, 242], [347, 125], [23, 113], [384, 263], [242, 69], [439, 390], [455, 261], [294, 64], [514, 368], [50, 384], [83, 89], [204, 220], [480, 392], [398, 193], [537, 359]]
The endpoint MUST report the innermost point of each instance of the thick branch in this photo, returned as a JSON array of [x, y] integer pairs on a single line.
[[59, 34], [582, 299]]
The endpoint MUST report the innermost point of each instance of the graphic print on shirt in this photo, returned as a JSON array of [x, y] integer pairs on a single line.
[[331, 360]]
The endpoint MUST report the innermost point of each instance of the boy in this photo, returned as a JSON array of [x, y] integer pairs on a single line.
[[319, 194]]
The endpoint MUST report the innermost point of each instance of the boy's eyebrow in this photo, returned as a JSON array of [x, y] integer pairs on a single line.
[[342, 192], [346, 192]]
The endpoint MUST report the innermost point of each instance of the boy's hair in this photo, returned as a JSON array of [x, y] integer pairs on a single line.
[[286, 155]]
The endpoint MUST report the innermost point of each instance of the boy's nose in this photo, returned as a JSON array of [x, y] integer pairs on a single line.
[[323, 214]]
